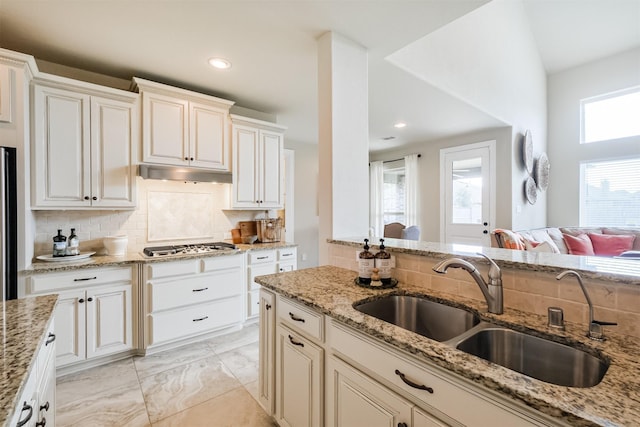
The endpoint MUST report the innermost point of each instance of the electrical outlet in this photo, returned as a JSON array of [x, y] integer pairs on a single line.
[[304, 257]]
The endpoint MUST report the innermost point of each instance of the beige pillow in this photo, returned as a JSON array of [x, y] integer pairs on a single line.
[[545, 246]]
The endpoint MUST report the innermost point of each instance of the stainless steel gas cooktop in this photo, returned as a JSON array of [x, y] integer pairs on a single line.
[[194, 248]]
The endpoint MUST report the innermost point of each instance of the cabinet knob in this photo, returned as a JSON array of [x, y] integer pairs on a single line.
[[86, 197], [42, 423], [402, 425], [191, 158], [81, 300], [186, 158], [268, 306], [45, 406], [485, 232], [90, 299], [51, 338], [94, 198]]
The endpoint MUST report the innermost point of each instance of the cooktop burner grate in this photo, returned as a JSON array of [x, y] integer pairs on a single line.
[[194, 248]]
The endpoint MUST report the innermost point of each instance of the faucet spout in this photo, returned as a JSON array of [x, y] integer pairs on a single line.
[[492, 291], [595, 326]]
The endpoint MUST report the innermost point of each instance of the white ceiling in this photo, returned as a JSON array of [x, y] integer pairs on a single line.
[[272, 45]]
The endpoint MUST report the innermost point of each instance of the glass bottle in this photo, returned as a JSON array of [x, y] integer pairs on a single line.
[[383, 262], [73, 246], [59, 245], [366, 262]]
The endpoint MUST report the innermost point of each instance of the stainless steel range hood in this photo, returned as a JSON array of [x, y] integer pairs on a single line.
[[177, 173]]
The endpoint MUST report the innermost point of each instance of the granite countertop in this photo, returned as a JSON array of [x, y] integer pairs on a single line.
[[139, 258], [592, 267], [613, 402], [24, 323]]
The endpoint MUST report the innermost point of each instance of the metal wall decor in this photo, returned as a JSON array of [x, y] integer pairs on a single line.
[[538, 176]]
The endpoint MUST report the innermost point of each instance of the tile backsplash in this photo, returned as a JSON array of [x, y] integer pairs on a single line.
[[167, 212]]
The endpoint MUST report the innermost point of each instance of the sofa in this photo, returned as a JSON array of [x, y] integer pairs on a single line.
[[599, 241]]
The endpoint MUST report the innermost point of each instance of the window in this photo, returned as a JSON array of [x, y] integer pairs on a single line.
[[393, 192], [610, 193], [610, 116]]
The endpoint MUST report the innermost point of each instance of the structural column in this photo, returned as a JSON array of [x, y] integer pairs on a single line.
[[343, 144]]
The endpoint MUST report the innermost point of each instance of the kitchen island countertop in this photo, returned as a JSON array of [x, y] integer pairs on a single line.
[[24, 322], [613, 402]]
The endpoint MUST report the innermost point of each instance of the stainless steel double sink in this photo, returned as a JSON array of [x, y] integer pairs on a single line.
[[536, 357]]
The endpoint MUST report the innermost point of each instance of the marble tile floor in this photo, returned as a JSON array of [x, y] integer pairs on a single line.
[[208, 384]]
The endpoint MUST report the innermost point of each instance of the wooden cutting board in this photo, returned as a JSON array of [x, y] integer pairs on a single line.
[[248, 228]]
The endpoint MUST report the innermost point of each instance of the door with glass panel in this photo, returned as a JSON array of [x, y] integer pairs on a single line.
[[467, 194]]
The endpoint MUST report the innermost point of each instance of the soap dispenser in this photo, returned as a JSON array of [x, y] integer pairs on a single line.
[[383, 262], [366, 262]]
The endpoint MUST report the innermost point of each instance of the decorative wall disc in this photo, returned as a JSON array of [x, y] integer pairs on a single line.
[[531, 191], [542, 172], [527, 151]]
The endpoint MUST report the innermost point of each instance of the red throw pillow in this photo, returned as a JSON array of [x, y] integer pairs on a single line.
[[611, 244], [578, 245]]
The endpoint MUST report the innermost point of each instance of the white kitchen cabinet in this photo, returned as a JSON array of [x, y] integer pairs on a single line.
[[266, 379], [437, 394], [184, 128], [287, 259], [37, 402], [94, 315], [85, 142], [184, 299], [299, 384], [357, 401], [258, 164], [7, 78], [259, 263]]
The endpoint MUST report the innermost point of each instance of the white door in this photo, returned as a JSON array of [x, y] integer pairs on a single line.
[[109, 328], [113, 145], [245, 167], [467, 194], [208, 137], [70, 327], [272, 168], [165, 130]]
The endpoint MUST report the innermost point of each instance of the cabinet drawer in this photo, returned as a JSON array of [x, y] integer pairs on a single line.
[[222, 262], [80, 278], [194, 289], [47, 350], [446, 396], [287, 254], [259, 270], [173, 268], [301, 318], [201, 318], [261, 257]]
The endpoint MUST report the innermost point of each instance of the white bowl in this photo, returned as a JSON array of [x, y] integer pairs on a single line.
[[116, 245]]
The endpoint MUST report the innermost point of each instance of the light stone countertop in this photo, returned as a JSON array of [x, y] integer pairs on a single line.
[[24, 323], [138, 258], [592, 267], [613, 402]]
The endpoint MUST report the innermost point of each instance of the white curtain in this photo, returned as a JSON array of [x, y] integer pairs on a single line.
[[412, 202], [376, 209]]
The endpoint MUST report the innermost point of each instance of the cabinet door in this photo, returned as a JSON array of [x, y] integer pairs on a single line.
[[6, 94], [113, 145], [354, 400], [208, 137], [165, 135], [245, 167], [272, 169], [47, 394], [266, 383], [109, 328], [422, 418], [70, 327], [298, 380], [61, 145]]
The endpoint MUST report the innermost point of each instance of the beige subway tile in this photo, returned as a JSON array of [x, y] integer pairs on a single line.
[[468, 290], [536, 284], [628, 298], [521, 301], [408, 262]]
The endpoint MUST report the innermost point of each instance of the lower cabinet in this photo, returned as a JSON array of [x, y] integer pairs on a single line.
[[266, 351], [184, 299], [37, 403], [299, 385], [94, 315]]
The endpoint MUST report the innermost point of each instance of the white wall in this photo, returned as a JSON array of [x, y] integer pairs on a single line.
[[489, 59], [306, 202], [429, 186], [565, 90]]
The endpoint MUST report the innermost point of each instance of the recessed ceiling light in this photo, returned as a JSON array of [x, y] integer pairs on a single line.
[[400, 125], [220, 63]]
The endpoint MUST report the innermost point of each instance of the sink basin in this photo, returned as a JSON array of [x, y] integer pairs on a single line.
[[433, 320], [542, 359]]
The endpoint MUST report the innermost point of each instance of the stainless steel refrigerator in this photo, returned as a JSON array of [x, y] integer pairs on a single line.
[[8, 224]]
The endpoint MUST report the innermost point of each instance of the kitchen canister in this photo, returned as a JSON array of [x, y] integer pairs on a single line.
[[116, 245]]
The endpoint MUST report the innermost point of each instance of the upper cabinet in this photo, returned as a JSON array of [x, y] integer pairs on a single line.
[[85, 142], [258, 164], [184, 128]]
